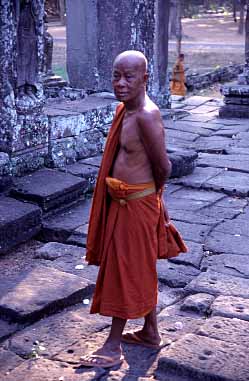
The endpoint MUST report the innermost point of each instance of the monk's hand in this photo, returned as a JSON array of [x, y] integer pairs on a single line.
[[165, 211], [166, 216]]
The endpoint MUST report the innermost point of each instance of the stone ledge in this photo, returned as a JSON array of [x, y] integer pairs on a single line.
[[40, 291], [49, 188], [19, 221]]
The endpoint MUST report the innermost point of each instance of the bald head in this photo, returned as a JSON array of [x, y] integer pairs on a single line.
[[133, 58], [129, 76]]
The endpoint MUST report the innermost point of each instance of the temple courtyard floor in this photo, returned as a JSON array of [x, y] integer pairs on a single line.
[[203, 303]]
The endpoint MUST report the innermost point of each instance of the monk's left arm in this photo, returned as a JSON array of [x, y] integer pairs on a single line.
[[152, 135]]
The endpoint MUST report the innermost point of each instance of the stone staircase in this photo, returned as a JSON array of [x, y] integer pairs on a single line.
[[53, 204]]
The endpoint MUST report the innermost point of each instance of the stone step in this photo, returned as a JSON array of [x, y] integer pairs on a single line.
[[28, 296], [49, 188], [67, 258], [72, 221], [19, 221]]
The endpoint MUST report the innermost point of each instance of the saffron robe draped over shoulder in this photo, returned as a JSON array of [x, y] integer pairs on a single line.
[[101, 201], [125, 239], [98, 215]]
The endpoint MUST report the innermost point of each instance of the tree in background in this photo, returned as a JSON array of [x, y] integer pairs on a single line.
[[175, 24], [242, 4], [247, 33]]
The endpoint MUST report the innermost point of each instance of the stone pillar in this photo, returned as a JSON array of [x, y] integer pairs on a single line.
[[98, 30], [23, 127], [236, 96]]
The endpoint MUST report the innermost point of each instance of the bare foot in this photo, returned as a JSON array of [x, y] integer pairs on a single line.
[[105, 357], [147, 337]]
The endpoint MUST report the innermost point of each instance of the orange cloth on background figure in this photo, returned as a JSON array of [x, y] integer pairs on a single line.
[[177, 85]]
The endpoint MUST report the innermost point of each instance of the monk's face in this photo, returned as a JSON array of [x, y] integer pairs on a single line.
[[128, 78]]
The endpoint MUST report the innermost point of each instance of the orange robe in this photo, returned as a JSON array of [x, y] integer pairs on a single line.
[[177, 85], [127, 280], [124, 240]]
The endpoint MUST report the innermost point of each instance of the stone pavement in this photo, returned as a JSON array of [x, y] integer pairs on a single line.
[[203, 305]]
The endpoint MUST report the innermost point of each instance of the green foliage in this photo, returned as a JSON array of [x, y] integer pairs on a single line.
[[194, 8], [61, 71]]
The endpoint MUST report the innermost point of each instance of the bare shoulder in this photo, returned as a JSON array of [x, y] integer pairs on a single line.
[[149, 116]]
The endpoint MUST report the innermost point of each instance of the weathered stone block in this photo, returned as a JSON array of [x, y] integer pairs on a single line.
[[58, 331], [4, 164], [220, 213], [61, 225], [230, 264], [219, 242], [197, 195], [175, 275], [64, 124], [183, 162], [67, 258], [6, 330], [30, 131], [234, 111], [192, 232], [213, 144], [94, 161], [193, 257], [61, 152], [89, 143], [231, 307], [230, 182], [8, 361], [19, 222], [199, 177], [49, 188], [40, 291], [29, 160], [206, 359], [231, 162], [228, 330], [38, 369], [198, 303], [214, 283], [236, 227], [88, 172]]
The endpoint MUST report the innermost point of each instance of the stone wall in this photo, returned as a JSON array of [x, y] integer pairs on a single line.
[[222, 74], [23, 126], [98, 30], [72, 130]]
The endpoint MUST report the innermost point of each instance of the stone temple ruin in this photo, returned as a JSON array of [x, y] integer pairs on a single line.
[[236, 96], [37, 132], [52, 134]]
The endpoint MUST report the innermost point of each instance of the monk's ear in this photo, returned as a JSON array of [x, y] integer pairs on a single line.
[[146, 77]]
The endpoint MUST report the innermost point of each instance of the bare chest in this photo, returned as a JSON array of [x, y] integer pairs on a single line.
[[129, 137]]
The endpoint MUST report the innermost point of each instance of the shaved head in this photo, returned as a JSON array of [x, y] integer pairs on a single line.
[[134, 57]]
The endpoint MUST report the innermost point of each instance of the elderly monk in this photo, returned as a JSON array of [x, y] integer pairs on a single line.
[[127, 217]]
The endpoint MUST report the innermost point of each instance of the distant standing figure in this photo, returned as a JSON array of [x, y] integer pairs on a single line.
[[27, 50], [177, 85]]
